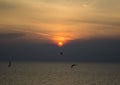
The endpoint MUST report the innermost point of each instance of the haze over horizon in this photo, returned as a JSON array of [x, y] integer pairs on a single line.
[[87, 30]]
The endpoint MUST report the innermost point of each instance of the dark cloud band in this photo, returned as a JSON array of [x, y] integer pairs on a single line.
[[11, 35]]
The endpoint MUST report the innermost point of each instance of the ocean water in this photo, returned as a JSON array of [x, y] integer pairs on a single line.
[[46, 73]]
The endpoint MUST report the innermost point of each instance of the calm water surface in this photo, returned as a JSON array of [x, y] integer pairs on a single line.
[[41, 73]]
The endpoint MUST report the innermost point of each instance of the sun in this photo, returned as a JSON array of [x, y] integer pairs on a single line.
[[60, 44], [59, 40]]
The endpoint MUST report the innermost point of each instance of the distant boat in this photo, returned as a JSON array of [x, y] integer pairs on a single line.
[[9, 64], [73, 65]]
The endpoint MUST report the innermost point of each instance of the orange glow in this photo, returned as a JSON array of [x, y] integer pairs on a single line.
[[60, 44], [60, 41]]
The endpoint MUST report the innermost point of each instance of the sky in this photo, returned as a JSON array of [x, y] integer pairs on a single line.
[[84, 30]]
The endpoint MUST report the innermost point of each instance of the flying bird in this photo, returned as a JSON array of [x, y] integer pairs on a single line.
[[61, 53], [73, 65], [9, 63]]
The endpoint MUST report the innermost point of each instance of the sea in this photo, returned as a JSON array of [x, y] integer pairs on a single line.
[[59, 73]]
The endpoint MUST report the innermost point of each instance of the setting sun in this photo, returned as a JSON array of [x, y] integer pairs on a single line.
[[60, 41], [60, 44]]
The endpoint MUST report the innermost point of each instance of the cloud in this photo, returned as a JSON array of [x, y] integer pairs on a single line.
[[81, 18], [4, 36], [5, 5], [102, 22], [105, 5], [8, 5]]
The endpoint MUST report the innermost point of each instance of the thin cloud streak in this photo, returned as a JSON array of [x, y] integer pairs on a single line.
[[11, 35]]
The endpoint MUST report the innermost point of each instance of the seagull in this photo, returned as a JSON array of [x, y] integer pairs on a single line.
[[61, 53], [73, 65], [9, 64]]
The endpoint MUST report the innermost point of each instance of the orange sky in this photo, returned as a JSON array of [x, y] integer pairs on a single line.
[[42, 20]]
